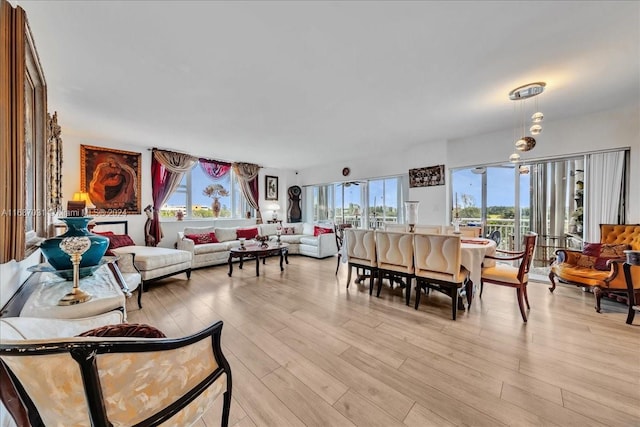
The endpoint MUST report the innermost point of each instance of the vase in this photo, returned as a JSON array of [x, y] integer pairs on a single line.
[[76, 227], [215, 207]]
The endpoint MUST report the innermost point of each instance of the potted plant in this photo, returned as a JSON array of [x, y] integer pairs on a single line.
[[215, 191]]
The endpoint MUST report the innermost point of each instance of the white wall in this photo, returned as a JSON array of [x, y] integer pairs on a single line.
[[617, 128]]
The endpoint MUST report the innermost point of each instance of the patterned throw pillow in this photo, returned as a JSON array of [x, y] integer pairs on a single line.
[[596, 255], [137, 330], [247, 233], [201, 239], [586, 261], [290, 231], [321, 230]]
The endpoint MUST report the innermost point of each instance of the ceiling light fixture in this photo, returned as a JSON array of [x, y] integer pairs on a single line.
[[522, 93]]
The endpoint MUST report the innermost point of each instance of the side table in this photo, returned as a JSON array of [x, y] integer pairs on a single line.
[[48, 288]]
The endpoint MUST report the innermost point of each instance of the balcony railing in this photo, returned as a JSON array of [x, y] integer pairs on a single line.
[[546, 245]]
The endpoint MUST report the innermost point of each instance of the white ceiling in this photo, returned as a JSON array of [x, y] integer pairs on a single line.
[[296, 84]]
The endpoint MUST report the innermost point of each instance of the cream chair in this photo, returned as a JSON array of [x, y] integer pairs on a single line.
[[395, 258], [361, 253], [392, 226], [438, 266], [465, 231], [504, 274], [428, 229], [103, 381]]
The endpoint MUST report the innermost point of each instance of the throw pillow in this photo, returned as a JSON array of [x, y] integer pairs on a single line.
[[227, 234], [104, 233], [120, 240], [247, 233], [204, 238], [321, 230], [290, 231], [592, 249], [615, 251], [586, 261], [138, 330]]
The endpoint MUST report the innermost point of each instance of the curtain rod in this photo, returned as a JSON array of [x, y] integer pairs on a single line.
[[200, 157]]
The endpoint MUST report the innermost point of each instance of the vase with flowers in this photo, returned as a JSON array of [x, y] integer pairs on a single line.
[[215, 191]]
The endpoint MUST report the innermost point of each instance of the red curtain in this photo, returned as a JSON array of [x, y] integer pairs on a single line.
[[214, 169]]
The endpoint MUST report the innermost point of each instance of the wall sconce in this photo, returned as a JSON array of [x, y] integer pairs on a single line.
[[411, 214], [522, 93]]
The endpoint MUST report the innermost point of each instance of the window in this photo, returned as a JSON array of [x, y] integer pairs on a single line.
[[366, 203], [190, 199]]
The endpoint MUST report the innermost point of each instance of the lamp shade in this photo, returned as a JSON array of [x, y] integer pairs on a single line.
[[81, 196], [411, 211]]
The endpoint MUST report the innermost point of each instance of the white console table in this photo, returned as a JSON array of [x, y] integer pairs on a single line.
[[48, 289]]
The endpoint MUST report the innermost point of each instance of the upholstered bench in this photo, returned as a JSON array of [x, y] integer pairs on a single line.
[[155, 263]]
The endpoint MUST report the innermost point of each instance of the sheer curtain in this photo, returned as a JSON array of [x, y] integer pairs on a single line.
[[247, 175], [167, 170], [604, 174]]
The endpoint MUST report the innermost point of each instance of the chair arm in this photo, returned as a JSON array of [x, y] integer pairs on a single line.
[[567, 255], [616, 279], [506, 258], [185, 244], [326, 242], [502, 251]]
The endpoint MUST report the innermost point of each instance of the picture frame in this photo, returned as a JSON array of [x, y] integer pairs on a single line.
[[112, 179], [271, 187], [426, 177]]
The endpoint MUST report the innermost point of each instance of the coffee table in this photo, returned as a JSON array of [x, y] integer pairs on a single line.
[[257, 251]]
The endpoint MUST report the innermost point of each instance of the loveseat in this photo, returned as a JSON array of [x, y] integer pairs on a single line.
[[211, 245], [598, 266]]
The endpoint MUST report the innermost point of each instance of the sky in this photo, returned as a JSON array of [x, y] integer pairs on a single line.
[[500, 186]]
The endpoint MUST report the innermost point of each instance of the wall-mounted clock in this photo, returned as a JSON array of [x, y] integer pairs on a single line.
[[346, 171]]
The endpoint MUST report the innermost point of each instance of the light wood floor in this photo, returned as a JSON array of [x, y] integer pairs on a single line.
[[304, 350]]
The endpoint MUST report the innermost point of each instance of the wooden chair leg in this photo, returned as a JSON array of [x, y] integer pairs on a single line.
[[597, 293], [350, 267], [380, 273], [553, 282], [338, 266], [454, 302], [469, 292], [520, 296], [418, 292], [526, 297], [481, 287], [408, 290], [371, 280], [140, 295]]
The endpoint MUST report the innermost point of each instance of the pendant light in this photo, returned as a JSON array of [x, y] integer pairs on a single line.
[[520, 94]]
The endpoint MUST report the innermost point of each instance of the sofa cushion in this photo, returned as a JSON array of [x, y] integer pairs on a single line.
[[247, 233], [201, 239], [289, 231], [226, 234], [152, 258], [308, 240], [307, 229], [269, 229], [321, 230], [211, 248], [199, 230], [292, 238], [596, 255]]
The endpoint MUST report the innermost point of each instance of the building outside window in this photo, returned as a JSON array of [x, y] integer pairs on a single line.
[[190, 199]]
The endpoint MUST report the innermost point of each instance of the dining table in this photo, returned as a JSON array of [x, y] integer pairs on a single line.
[[472, 257]]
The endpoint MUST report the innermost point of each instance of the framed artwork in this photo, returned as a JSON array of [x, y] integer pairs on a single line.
[[271, 187], [112, 179], [426, 177]]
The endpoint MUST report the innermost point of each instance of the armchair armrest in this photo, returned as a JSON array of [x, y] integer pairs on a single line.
[[514, 255], [185, 244], [568, 255]]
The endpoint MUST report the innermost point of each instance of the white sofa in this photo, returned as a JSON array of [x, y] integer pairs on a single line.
[[302, 242]]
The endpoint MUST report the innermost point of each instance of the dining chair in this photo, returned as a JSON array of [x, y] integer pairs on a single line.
[[392, 226], [438, 266], [464, 231], [428, 229], [505, 274], [395, 259], [495, 236], [339, 231], [361, 253]]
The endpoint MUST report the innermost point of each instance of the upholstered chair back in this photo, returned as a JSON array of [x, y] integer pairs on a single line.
[[361, 246], [395, 251], [438, 256], [428, 229], [120, 381], [395, 227], [465, 231]]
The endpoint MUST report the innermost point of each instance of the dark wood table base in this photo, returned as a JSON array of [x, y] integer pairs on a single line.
[[258, 252]]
